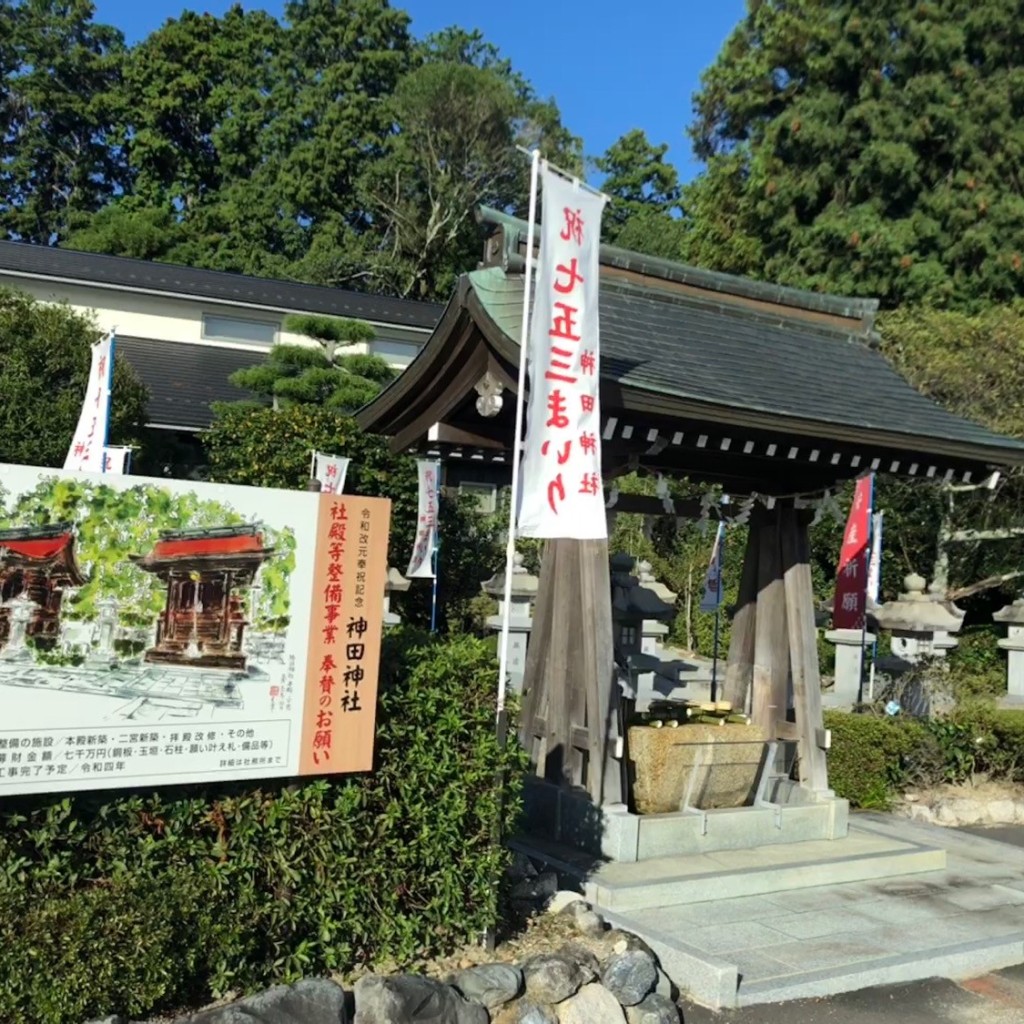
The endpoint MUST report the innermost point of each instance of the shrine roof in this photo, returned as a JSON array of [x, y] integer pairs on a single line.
[[198, 543], [37, 542], [681, 344]]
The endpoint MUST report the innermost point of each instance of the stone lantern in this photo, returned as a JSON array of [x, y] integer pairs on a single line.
[[520, 621], [633, 604], [395, 583], [915, 620], [1013, 644], [20, 611], [653, 631]]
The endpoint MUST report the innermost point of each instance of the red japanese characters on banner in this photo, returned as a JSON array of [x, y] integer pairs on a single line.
[[851, 577], [86, 451], [330, 471], [562, 492]]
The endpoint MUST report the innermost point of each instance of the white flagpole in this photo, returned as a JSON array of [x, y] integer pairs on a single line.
[[510, 549], [110, 395]]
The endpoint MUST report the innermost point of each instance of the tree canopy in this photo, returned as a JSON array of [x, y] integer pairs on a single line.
[[328, 146], [44, 371], [868, 149]]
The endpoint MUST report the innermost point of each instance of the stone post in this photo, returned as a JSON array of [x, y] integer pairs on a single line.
[[523, 594], [850, 645], [395, 583], [1013, 644]]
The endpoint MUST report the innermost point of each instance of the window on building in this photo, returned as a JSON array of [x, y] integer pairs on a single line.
[[398, 354], [239, 329], [627, 636], [486, 495]]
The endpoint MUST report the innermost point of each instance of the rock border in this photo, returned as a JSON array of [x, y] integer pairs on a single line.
[[621, 983]]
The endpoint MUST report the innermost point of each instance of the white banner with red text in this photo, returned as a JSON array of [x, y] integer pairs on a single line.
[[713, 577], [86, 451], [330, 471], [562, 493], [421, 565]]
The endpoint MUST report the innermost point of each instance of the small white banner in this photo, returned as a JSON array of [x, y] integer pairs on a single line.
[[713, 577], [331, 471], [875, 559], [421, 565], [116, 460], [562, 493], [86, 451]]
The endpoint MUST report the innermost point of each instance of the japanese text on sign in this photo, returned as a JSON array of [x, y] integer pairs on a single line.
[[562, 487]]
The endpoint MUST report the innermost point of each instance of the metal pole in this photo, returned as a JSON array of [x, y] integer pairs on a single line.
[[513, 512], [436, 554]]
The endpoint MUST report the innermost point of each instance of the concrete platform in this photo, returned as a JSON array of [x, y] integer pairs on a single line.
[[797, 922], [788, 814], [730, 874]]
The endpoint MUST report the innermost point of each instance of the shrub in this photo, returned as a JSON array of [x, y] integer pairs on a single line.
[[134, 902], [871, 757]]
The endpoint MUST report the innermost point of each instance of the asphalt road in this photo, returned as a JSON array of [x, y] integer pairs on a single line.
[[993, 999]]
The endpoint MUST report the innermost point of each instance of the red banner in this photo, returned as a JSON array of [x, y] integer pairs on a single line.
[[851, 578]]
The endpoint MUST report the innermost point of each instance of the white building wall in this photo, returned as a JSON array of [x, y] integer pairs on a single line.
[[168, 318]]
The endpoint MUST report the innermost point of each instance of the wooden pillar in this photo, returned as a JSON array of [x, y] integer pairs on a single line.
[[739, 664], [803, 646], [771, 640], [570, 702]]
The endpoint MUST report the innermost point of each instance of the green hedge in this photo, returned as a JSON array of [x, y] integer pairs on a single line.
[[868, 759], [872, 758], [132, 902]]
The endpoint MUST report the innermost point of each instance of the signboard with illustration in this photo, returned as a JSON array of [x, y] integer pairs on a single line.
[[155, 632]]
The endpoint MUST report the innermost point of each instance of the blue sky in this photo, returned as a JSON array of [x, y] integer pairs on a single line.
[[631, 68]]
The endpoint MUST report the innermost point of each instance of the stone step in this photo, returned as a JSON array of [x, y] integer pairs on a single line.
[[728, 874], [958, 960]]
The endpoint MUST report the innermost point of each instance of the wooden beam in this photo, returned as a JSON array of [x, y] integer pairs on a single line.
[[803, 649], [771, 642], [740, 661], [596, 665]]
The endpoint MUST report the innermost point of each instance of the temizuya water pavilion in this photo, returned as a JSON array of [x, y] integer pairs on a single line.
[[764, 390]]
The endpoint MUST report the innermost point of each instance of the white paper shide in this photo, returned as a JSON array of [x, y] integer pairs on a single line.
[[562, 491], [421, 565], [86, 453], [330, 471]]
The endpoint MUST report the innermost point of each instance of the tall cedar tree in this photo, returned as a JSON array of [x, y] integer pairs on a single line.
[[59, 89], [872, 149]]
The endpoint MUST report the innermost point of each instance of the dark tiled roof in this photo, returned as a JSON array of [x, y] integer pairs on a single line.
[[708, 280], [90, 268], [184, 379], [662, 342]]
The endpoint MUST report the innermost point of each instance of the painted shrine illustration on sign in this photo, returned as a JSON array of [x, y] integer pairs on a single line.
[[165, 631]]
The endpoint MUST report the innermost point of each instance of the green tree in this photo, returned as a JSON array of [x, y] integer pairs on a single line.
[[458, 113], [644, 188], [299, 374], [44, 371], [59, 147], [866, 149], [196, 91]]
